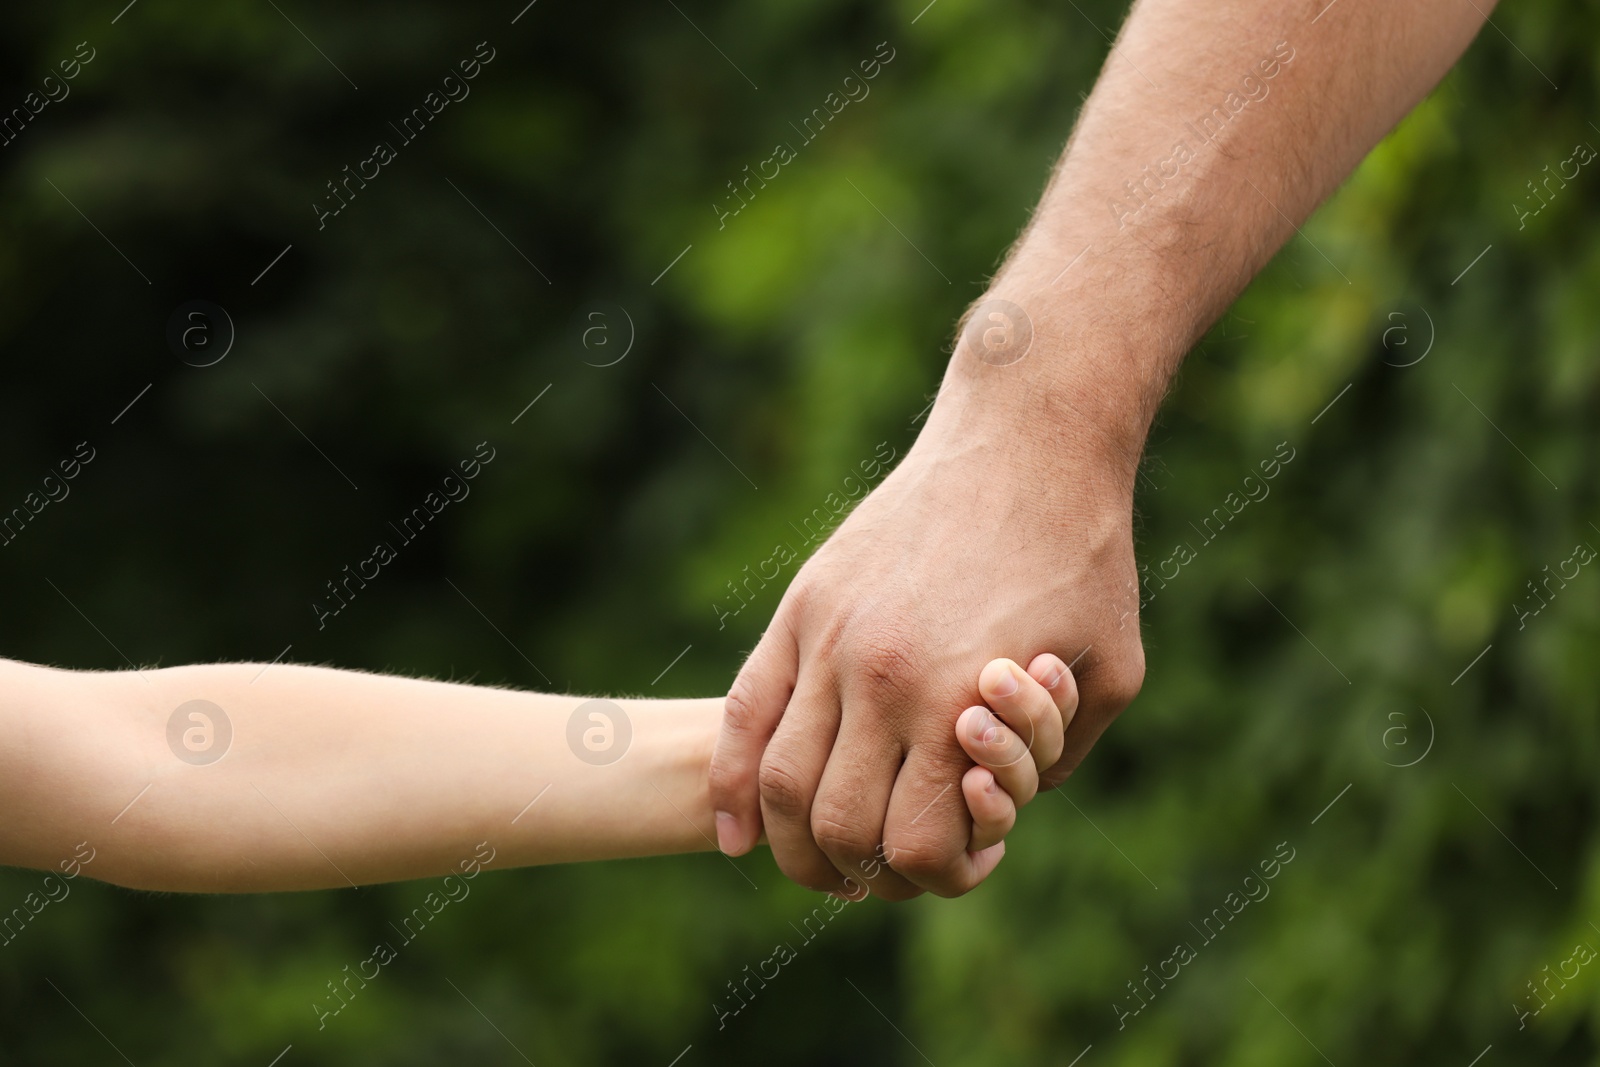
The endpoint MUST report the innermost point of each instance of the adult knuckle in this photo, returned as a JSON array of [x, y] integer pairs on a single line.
[[740, 710], [837, 833], [803, 591], [725, 777], [782, 788], [889, 660], [922, 860], [1123, 679]]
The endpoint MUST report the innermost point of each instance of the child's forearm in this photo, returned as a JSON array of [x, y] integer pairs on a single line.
[[331, 778]]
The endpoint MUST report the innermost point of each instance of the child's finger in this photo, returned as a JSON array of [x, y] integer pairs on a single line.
[[984, 862], [994, 745], [1027, 707], [993, 812], [1057, 677]]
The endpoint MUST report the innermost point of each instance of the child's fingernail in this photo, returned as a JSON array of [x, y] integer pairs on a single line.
[[982, 726], [728, 837], [1053, 679], [1004, 685], [993, 786]]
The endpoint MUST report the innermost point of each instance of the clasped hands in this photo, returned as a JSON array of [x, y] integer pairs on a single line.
[[840, 736]]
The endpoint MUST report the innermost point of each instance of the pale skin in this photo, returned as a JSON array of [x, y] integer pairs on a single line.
[[338, 778], [991, 534]]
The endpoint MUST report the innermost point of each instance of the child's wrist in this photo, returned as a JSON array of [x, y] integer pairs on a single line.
[[668, 786]]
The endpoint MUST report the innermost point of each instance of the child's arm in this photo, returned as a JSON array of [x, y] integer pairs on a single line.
[[331, 777], [311, 778]]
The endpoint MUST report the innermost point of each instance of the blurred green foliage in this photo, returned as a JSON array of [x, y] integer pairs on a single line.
[[796, 337]]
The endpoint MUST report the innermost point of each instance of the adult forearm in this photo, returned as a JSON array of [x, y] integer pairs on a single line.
[[329, 778], [1214, 130]]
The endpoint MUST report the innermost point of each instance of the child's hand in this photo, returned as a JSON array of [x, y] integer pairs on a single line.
[[1012, 740]]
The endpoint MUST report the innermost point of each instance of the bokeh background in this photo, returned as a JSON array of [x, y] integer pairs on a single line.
[[1362, 636]]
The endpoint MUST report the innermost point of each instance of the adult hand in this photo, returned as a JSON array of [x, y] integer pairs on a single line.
[[1006, 531], [1002, 533]]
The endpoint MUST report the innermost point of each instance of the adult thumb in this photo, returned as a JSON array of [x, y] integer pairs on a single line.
[[750, 715]]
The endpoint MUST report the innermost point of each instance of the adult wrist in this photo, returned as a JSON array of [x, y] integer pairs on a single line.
[[1050, 383]]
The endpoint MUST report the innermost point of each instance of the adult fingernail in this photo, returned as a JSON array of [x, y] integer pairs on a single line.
[[728, 837]]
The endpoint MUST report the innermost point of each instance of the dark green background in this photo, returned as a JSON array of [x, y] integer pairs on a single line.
[[796, 339]]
